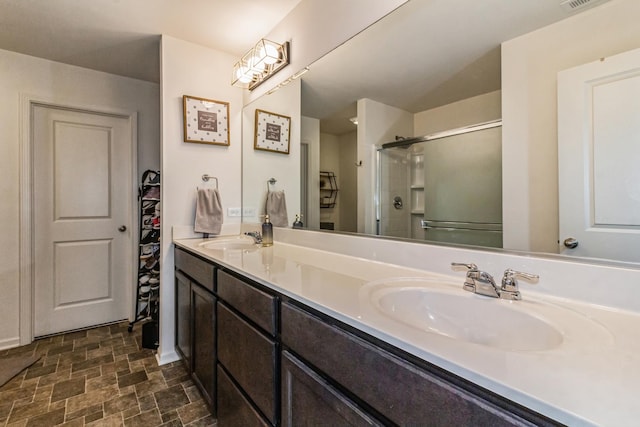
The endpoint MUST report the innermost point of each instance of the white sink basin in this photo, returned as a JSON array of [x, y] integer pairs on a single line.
[[239, 242], [432, 307]]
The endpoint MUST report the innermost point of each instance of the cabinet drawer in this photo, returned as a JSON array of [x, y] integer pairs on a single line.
[[194, 267], [308, 399], [256, 305], [250, 357], [233, 408], [403, 393]]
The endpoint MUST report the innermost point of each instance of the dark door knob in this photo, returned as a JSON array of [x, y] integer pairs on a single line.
[[122, 228]]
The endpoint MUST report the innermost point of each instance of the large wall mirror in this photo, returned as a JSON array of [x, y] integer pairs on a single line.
[[435, 108]]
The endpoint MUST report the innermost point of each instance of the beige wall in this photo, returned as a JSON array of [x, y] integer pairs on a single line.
[[310, 135], [348, 193], [377, 123], [470, 111], [330, 162], [23, 75], [530, 64], [190, 69]]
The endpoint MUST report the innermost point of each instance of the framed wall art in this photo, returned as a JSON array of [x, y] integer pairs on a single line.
[[206, 121], [272, 132]]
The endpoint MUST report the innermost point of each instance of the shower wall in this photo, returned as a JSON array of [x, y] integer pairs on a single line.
[[394, 183]]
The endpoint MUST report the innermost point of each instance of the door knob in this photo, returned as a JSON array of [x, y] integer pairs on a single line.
[[122, 228], [570, 243]]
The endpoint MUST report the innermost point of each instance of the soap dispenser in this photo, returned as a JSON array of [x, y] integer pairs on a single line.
[[267, 232], [297, 223]]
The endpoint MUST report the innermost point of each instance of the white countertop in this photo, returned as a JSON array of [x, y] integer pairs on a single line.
[[591, 378]]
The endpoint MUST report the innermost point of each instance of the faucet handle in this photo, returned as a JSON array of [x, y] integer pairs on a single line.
[[472, 272], [470, 267], [509, 289]]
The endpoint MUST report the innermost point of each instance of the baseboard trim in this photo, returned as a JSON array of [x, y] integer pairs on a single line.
[[9, 343], [167, 357]]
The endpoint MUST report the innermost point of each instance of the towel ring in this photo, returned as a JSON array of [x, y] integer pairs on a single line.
[[206, 178], [271, 181]]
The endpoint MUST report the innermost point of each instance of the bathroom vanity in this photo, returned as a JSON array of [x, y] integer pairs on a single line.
[[291, 335]]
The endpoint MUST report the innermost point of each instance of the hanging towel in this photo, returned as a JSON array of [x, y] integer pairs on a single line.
[[208, 211], [276, 208]]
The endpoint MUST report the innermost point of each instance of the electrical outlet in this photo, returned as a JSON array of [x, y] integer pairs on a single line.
[[234, 212], [249, 212]]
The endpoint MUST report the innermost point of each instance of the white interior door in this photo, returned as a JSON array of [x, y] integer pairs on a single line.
[[82, 209], [598, 153]]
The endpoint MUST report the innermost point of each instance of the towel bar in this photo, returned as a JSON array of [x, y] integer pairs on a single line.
[[206, 178]]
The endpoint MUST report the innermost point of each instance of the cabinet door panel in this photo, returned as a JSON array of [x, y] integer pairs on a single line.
[[204, 357], [402, 392], [183, 318], [256, 305], [250, 358], [199, 270], [309, 400], [233, 408]]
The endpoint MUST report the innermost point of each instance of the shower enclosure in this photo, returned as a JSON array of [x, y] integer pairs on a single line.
[[445, 187]]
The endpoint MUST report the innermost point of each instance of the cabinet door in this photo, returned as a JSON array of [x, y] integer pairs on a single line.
[[183, 319], [204, 357], [309, 400], [233, 408], [250, 358]]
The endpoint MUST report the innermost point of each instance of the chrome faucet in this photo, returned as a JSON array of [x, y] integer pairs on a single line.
[[509, 288], [482, 283], [257, 237], [478, 282]]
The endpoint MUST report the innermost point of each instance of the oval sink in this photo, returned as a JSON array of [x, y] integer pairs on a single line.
[[492, 323], [434, 306], [230, 243]]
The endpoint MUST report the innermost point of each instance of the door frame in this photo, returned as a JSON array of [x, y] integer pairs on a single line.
[[26, 172]]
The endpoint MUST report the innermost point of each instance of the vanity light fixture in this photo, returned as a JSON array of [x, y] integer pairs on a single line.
[[261, 62]]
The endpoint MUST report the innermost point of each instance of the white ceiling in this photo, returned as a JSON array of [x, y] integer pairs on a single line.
[[425, 54], [121, 36]]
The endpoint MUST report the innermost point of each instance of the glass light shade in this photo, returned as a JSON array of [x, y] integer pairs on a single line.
[[268, 52], [244, 74], [257, 66]]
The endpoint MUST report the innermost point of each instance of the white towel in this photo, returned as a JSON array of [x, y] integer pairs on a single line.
[[209, 215], [276, 208]]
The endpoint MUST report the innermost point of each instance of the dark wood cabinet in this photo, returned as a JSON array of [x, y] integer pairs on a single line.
[[234, 408], [195, 322], [309, 400], [397, 390], [247, 348], [204, 348], [258, 306], [183, 318], [265, 359]]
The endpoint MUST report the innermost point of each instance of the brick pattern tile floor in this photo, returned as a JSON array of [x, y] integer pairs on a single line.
[[100, 377]]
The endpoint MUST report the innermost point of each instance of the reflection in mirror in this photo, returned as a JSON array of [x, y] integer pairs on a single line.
[[444, 204], [428, 67], [270, 170]]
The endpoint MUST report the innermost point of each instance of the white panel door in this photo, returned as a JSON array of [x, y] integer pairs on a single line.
[[598, 157], [82, 209]]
